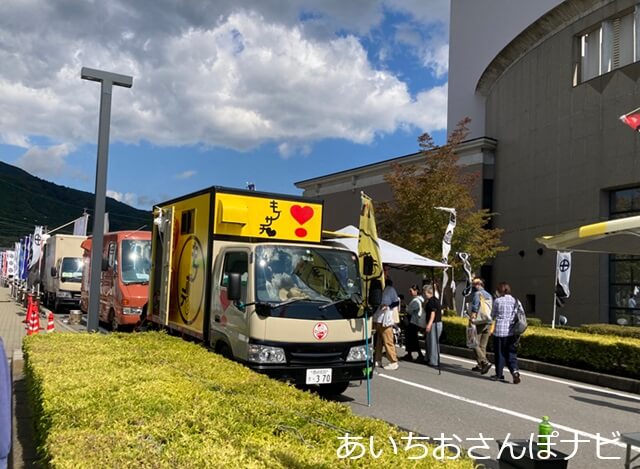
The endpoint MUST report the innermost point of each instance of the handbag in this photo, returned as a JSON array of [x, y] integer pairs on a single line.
[[520, 319], [472, 336]]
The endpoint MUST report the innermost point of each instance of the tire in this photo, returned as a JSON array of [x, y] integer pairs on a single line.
[[224, 350], [56, 307], [333, 389], [113, 321]]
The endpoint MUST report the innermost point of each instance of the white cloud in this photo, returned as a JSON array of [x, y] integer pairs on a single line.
[[45, 162], [128, 198], [289, 149], [186, 174], [233, 74]]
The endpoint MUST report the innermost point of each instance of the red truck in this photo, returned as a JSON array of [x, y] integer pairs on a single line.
[[124, 285]]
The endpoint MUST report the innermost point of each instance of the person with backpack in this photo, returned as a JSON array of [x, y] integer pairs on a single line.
[[506, 310], [417, 322], [480, 317]]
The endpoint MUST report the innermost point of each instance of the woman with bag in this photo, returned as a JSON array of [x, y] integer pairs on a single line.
[[417, 322], [504, 312]]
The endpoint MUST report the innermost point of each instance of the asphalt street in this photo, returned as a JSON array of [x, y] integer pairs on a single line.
[[463, 404]]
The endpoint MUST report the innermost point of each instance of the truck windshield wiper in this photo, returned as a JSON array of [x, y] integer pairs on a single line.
[[289, 301], [353, 298]]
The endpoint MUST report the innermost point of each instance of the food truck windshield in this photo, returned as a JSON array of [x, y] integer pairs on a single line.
[[289, 272]]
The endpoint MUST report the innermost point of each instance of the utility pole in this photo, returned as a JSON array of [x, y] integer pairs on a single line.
[[107, 80]]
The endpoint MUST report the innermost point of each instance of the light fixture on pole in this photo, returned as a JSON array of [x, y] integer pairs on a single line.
[[107, 80]]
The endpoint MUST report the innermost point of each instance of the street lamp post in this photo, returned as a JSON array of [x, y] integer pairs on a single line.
[[107, 80]]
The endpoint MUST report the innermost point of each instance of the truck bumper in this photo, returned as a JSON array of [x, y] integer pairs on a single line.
[[68, 302], [298, 374], [129, 319]]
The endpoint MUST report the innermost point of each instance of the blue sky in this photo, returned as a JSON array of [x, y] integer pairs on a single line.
[[224, 92]]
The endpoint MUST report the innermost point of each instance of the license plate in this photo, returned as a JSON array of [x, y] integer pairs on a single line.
[[319, 376]]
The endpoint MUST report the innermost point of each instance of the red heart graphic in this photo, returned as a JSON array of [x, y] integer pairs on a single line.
[[302, 214]]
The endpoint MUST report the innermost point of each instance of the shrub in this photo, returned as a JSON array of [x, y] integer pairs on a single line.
[[606, 354], [150, 400], [611, 329], [534, 321]]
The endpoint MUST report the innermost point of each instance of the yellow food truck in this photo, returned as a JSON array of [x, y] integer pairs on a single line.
[[248, 274]]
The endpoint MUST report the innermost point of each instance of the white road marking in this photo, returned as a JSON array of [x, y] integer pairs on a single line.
[[557, 380], [502, 410]]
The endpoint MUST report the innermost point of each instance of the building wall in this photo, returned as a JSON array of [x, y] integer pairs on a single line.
[[560, 150], [478, 30]]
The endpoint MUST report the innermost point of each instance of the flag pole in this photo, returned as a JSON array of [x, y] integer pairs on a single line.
[[555, 285], [630, 112]]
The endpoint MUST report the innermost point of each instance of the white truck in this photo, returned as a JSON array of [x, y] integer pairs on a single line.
[[61, 272]]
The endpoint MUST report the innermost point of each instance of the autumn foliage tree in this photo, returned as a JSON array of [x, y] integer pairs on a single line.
[[410, 220]]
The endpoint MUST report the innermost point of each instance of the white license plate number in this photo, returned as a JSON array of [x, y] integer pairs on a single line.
[[319, 376]]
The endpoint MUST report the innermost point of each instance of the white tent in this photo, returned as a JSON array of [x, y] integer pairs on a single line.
[[391, 253], [619, 236]]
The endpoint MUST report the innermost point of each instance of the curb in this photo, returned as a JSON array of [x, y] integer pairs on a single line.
[[600, 379]]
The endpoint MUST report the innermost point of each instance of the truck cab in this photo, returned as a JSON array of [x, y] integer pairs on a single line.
[[61, 274], [124, 283]]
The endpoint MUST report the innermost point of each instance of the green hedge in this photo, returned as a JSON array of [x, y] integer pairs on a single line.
[[607, 354], [611, 329], [154, 401]]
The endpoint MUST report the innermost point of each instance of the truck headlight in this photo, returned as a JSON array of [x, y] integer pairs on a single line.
[[63, 294], [359, 353], [127, 310], [265, 354]]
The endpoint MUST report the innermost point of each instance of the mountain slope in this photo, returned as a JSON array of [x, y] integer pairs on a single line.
[[26, 201]]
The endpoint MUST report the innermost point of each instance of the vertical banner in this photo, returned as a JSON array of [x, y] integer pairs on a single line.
[[36, 246], [80, 225], [446, 242], [106, 222], [563, 266], [368, 246], [368, 240]]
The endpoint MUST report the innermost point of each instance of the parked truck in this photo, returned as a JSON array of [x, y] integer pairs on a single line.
[[61, 271], [124, 279], [248, 274]]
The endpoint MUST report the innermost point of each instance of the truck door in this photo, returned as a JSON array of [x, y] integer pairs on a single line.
[[230, 319], [166, 241], [108, 282]]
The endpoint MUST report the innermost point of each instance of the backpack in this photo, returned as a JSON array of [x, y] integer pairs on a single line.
[[519, 319], [484, 310]]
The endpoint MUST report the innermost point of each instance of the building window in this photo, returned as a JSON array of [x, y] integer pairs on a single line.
[[186, 223], [609, 45], [624, 270]]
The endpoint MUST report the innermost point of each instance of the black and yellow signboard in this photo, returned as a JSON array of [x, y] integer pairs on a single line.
[[267, 217]]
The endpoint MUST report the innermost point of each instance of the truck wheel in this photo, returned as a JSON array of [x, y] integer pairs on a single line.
[[113, 322], [56, 307], [225, 351], [333, 389]]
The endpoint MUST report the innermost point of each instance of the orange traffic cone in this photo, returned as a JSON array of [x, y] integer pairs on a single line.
[[28, 319], [35, 318], [51, 325]]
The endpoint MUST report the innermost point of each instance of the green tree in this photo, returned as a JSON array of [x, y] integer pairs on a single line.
[[410, 220]]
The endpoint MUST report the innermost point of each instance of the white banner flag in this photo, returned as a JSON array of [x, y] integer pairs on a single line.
[[446, 241], [563, 266], [80, 225], [106, 222], [36, 246], [466, 265]]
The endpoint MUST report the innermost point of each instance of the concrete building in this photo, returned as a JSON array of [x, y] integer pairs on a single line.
[[544, 86]]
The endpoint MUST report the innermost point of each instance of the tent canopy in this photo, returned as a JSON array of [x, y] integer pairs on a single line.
[[390, 253], [620, 236]]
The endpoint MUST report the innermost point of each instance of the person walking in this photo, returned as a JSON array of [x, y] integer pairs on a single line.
[[480, 316], [383, 322], [417, 322], [503, 312], [433, 311]]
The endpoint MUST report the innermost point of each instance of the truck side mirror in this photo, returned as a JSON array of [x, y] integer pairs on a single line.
[[234, 289], [375, 293], [105, 264], [54, 272]]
